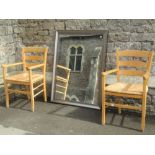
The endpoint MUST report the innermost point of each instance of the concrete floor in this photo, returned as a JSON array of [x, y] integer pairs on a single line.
[[49, 119]]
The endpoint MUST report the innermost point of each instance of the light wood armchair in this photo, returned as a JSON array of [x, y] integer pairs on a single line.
[[129, 90], [32, 58], [63, 81]]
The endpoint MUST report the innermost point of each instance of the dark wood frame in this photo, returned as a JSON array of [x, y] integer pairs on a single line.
[[104, 33]]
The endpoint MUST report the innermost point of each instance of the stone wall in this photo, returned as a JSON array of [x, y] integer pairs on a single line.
[[9, 41], [123, 34]]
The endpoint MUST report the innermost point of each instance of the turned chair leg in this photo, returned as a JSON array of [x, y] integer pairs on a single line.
[[118, 100], [28, 95], [32, 97], [143, 113], [44, 91], [103, 109], [6, 95]]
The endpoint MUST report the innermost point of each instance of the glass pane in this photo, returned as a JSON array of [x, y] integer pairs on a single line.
[[73, 50], [71, 62], [78, 63], [79, 50]]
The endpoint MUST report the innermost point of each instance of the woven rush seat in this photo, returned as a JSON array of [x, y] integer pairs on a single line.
[[24, 77], [125, 88]]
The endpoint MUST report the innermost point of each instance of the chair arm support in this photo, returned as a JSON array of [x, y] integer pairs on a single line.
[[146, 76], [35, 66], [62, 67], [109, 72], [11, 65]]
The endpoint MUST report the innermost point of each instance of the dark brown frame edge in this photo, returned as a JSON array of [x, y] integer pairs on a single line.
[[102, 67]]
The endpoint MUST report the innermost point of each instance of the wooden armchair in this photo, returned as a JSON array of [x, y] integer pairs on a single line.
[[33, 58], [62, 81], [139, 64]]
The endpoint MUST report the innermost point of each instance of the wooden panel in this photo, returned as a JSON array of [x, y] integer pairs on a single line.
[[34, 57], [132, 63], [132, 53], [131, 72]]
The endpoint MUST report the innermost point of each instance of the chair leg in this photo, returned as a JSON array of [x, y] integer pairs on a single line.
[[103, 110], [44, 92], [32, 97], [6, 95], [143, 113], [28, 96], [119, 109]]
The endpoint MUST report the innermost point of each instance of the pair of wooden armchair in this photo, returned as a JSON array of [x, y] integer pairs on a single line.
[[33, 58], [129, 63]]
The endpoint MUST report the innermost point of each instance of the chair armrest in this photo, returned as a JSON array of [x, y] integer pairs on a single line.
[[109, 72], [62, 67], [146, 76], [35, 66], [11, 65]]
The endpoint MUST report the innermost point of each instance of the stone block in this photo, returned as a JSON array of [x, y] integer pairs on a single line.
[[147, 46], [17, 29], [110, 47], [9, 30], [142, 37], [142, 29], [119, 37], [119, 25], [4, 22], [78, 24], [43, 33], [99, 24], [6, 39], [59, 25], [3, 30], [27, 40], [139, 22]]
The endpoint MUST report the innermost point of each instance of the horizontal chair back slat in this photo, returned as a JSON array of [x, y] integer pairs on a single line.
[[133, 53], [131, 72], [34, 49], [34, 58], [132, 63]]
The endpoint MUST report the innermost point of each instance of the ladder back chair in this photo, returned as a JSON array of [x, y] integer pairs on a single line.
[[33, 58], [129, 63], [62, 81]]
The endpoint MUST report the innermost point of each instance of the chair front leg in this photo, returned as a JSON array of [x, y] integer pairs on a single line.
[[31, 90], [44, 90], [6, 94], [143, 112], [103, 101], [5, 85]]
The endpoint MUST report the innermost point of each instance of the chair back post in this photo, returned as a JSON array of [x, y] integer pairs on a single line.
[[117, 64], [23, 59], [45, 61]]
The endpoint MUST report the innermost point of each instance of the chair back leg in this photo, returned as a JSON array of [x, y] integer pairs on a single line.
[[44, 90], [143, 112], [6, 95], [103, 101]]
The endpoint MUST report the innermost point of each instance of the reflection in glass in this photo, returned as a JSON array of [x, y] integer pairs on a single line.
[[72, 62], [79, 50], [77, 73], [73, 50], [78, 63]]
